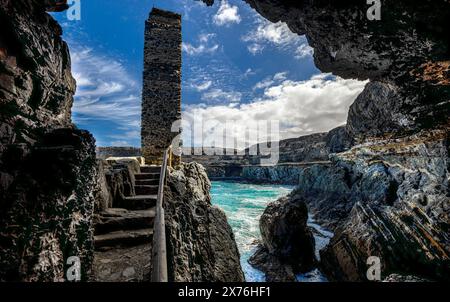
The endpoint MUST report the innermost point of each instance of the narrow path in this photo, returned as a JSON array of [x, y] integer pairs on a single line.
[[123, 234]]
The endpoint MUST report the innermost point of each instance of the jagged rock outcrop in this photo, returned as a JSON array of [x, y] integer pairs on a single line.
[[385, 198], [287, 242], [46, 211], [47, 168], [116, 181], [201, 245]]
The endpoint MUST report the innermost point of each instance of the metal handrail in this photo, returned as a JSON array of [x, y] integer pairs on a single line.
[[159, 249]]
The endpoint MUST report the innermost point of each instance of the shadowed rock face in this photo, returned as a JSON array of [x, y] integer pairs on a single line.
[[47, 168], [200, 242]]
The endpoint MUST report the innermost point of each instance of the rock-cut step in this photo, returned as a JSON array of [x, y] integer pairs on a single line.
[[151, 169], [142, 176], [139, 202], [123, 238], [146, 189], [147, 182], [115, 219]]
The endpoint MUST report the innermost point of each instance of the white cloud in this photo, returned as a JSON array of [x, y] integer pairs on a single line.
[[204, 46], [105, 90], [219, 96], [280, 76], [227, 14], [304, 51], [255, 48], [269, 81], [249, 72], [302, 107], [202, 86], [276, 33], [192, 50]]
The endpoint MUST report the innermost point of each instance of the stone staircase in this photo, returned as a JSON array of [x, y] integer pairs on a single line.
[[124, 234], [131, 222]]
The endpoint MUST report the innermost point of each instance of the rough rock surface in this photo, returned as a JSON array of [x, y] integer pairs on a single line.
[[287, 174], [47, 168], [287, 242], [132, 264], [116, 181], [386, 198], [46, 212], [200, 241], [161, 93]]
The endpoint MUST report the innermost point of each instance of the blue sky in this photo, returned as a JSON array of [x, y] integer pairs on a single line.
[[236, 65]]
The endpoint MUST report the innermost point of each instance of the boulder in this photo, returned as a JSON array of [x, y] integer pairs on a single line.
[[287, 242]]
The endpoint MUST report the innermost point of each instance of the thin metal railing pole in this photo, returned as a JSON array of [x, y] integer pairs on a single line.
[[159, 255]]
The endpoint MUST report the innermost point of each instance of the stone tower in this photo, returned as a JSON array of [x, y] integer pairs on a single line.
[[161, 94]]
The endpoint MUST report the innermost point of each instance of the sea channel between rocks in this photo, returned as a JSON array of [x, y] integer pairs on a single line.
[[244, 204]]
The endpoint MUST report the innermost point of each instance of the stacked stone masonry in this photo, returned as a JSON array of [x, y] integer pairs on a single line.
[[161, 96]]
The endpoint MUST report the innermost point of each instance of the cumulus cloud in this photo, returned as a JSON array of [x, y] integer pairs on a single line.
[[301, 107], [227, 14]]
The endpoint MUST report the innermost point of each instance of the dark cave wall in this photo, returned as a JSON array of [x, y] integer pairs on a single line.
[[47, 167]]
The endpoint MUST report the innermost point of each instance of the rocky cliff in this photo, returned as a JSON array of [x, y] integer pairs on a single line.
[[201, 245], [389, 195], [397, 195], [47, 167]]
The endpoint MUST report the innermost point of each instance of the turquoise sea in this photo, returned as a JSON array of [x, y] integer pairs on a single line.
[[244, 204]]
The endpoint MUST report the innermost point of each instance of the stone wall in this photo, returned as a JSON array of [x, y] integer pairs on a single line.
[[161, 96]]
